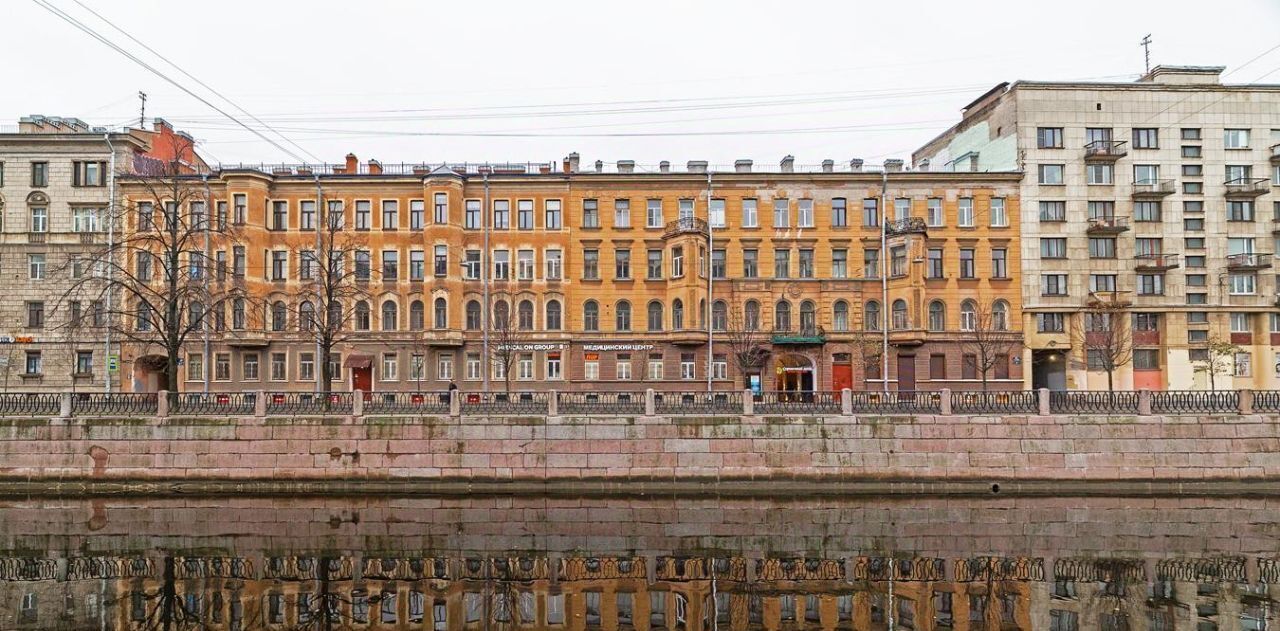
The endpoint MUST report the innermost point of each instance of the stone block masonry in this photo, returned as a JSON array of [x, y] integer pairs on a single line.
[[723, 450]]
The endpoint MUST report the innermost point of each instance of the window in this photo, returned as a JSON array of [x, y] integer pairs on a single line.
[[804, 211], [677, 315], [1191, 151], [1243, 365], [839, 212], [1193, 225], [440, 313], [1235, 139], [195, 365], [501, 214], [653, 264], [390, 366], [473, 315], [622, 264], [720, 316], [782, 316], [1193, 170], [84, 219], [1050, 322], [1243, 284], [1051, 174], [280, 215], [390, 265], [840, 315], [364, 210], [35, 314], [933, 265], [278, 367], [1150, 284], [999, 219], [688, 370], [249, 367], [677, 262], [967, 268], [839, 263], [39, 219], [716, 214], [471, 216], [590, 213], [871, 316], [1190, 133], [897, 261], [1102, 282], [719, 268], [524, 315], [1099, 173], [781, 213], [417, 265], [502, 264], [968, 315], [1146, 211], [35, 266], [1146, 138], [751, 316], [591, 316], [524, 372], [1049, 137], [441, 209], [870, 212], [1053, 284], [1237, 173], [34, 364], [524, 263], [933, 211], [685, 209], [750, 263], [782, 263], [1102, 247], [999, 263], [1053, 211], [1239, 210], [362, 316], [806, 263], [964, 212], [555, 265], [622, 316], [901, 209], [1053, 248], [1146, 173], [524, 214], [591, 264], [871, 263], [937, 316], [551, 214], [653, 213], [900, 320]]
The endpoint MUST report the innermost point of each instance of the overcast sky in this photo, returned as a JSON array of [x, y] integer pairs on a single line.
[[433, 81]]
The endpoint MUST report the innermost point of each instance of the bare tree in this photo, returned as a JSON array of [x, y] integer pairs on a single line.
[[1104, 333], [867, 352], [507, 338], [153, 278], [748, 343], [988, 340], [340, 271], [1219, 360]]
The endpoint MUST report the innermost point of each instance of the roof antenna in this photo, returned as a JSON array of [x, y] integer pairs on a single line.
[[1146, 51], [142, 113]]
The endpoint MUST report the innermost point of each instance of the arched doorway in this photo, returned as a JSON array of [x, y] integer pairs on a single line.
[[148, 373], [794, 373]]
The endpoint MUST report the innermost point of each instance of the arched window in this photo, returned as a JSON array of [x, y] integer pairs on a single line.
[[719, 316], [142, 316], [591, 316], [808, 317], [441, 313], [417, 316], [655, 315], [306, 316], [553, 316], [362, 316], [1000, 315], [900, 320], [279, 315], [237, 314], [622, 316], [751, 316], [525, 314], [840, 315], [968, 315], [501, 315], [390, 317], [197, 316], [782, 316], [473, 315], [336, 316], [219, 317], [677, 315], [871, 316], [937, 316]]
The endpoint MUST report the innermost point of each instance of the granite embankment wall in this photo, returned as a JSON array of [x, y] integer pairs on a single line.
[[1231, 447]]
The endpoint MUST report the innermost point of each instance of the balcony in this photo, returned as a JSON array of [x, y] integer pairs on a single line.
[[910, 225], [1275, 154], [688, 337], [37, 237], [800, 336], [1248, 262], [88, 238], [246, 339], [1153, 189], [1104, 299], [443, 337], [1247, 187], [1105, 150], [1108, 225], [685, 225], [1155, 262]]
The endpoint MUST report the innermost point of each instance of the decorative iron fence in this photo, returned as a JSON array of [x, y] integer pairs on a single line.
[[796, 403], [113, 404], [504, 403], [309, 403], [407, 403], [899, 402], [216, 403], [1072, 402], [1266, 401], [1013, 402], [30, 403], [1195, 402], [725, 402], [600, 402]]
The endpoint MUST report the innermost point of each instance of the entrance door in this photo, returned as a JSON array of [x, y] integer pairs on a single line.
[[362, 379], [906, 372], [841, 377]]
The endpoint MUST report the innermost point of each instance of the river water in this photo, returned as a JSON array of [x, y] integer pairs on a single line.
[[640, 564]]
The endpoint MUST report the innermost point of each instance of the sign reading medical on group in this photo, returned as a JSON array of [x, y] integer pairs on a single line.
[[530, 347]]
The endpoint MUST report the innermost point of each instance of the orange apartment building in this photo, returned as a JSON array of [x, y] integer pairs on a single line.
[[613, 274]]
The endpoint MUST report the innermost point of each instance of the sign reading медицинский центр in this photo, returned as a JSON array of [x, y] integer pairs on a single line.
[[585, 347]]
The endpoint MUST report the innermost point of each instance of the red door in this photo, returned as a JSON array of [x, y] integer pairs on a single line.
[[906, 373], [841, 377], [362, 379]]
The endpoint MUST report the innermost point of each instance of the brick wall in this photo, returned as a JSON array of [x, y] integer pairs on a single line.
[[1066, 448]]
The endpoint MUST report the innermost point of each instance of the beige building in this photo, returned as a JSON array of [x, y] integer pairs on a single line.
[[1158, 194]]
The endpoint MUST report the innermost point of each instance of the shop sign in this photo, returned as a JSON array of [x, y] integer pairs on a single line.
[[17, 339], [530, 347], [617, 347]]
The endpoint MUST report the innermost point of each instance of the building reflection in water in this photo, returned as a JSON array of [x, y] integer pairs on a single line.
[[575, 592]]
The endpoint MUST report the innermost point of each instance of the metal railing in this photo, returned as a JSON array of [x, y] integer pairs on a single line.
[[1248, 259], [1105, 149], [796, 403], [1072, 402], [309, 403], [899, 402], [1247, 185], [903, 226], [685, 225], [216, 403], [1195, 401], [724, 402], [1010, 402], [1153, 187], [1266, 401], [115, 404], [33, 403], [407, 403], [475, 403], [600, 402]]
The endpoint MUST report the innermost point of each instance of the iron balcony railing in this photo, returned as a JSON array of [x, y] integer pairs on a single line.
[[1153, 188], [897, 402], [904, 226], [215, 403], [600, 402], [796, 402], [1105, 149], [114, 404], [685, 225], [1077, 402], [484, 403], [1108, 224], [309, 403], [725, 402], [1195, 402], [1010, 402], [1248, 186], [1248, 260]]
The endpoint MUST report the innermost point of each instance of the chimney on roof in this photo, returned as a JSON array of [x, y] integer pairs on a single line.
[[893, 165], [161, 125], [599, 166], [923, 166], [788, 164], [626, 166], [855, 165], [828, 166], [742, 166], [375, 167], [353, 163], [664, 167], [572, 162], [697, 166]]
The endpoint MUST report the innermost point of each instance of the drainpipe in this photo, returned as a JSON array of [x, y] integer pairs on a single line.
[[710, 277], [111, 223], [884, 280], [322, 219], [208, 210], [484, 276]]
